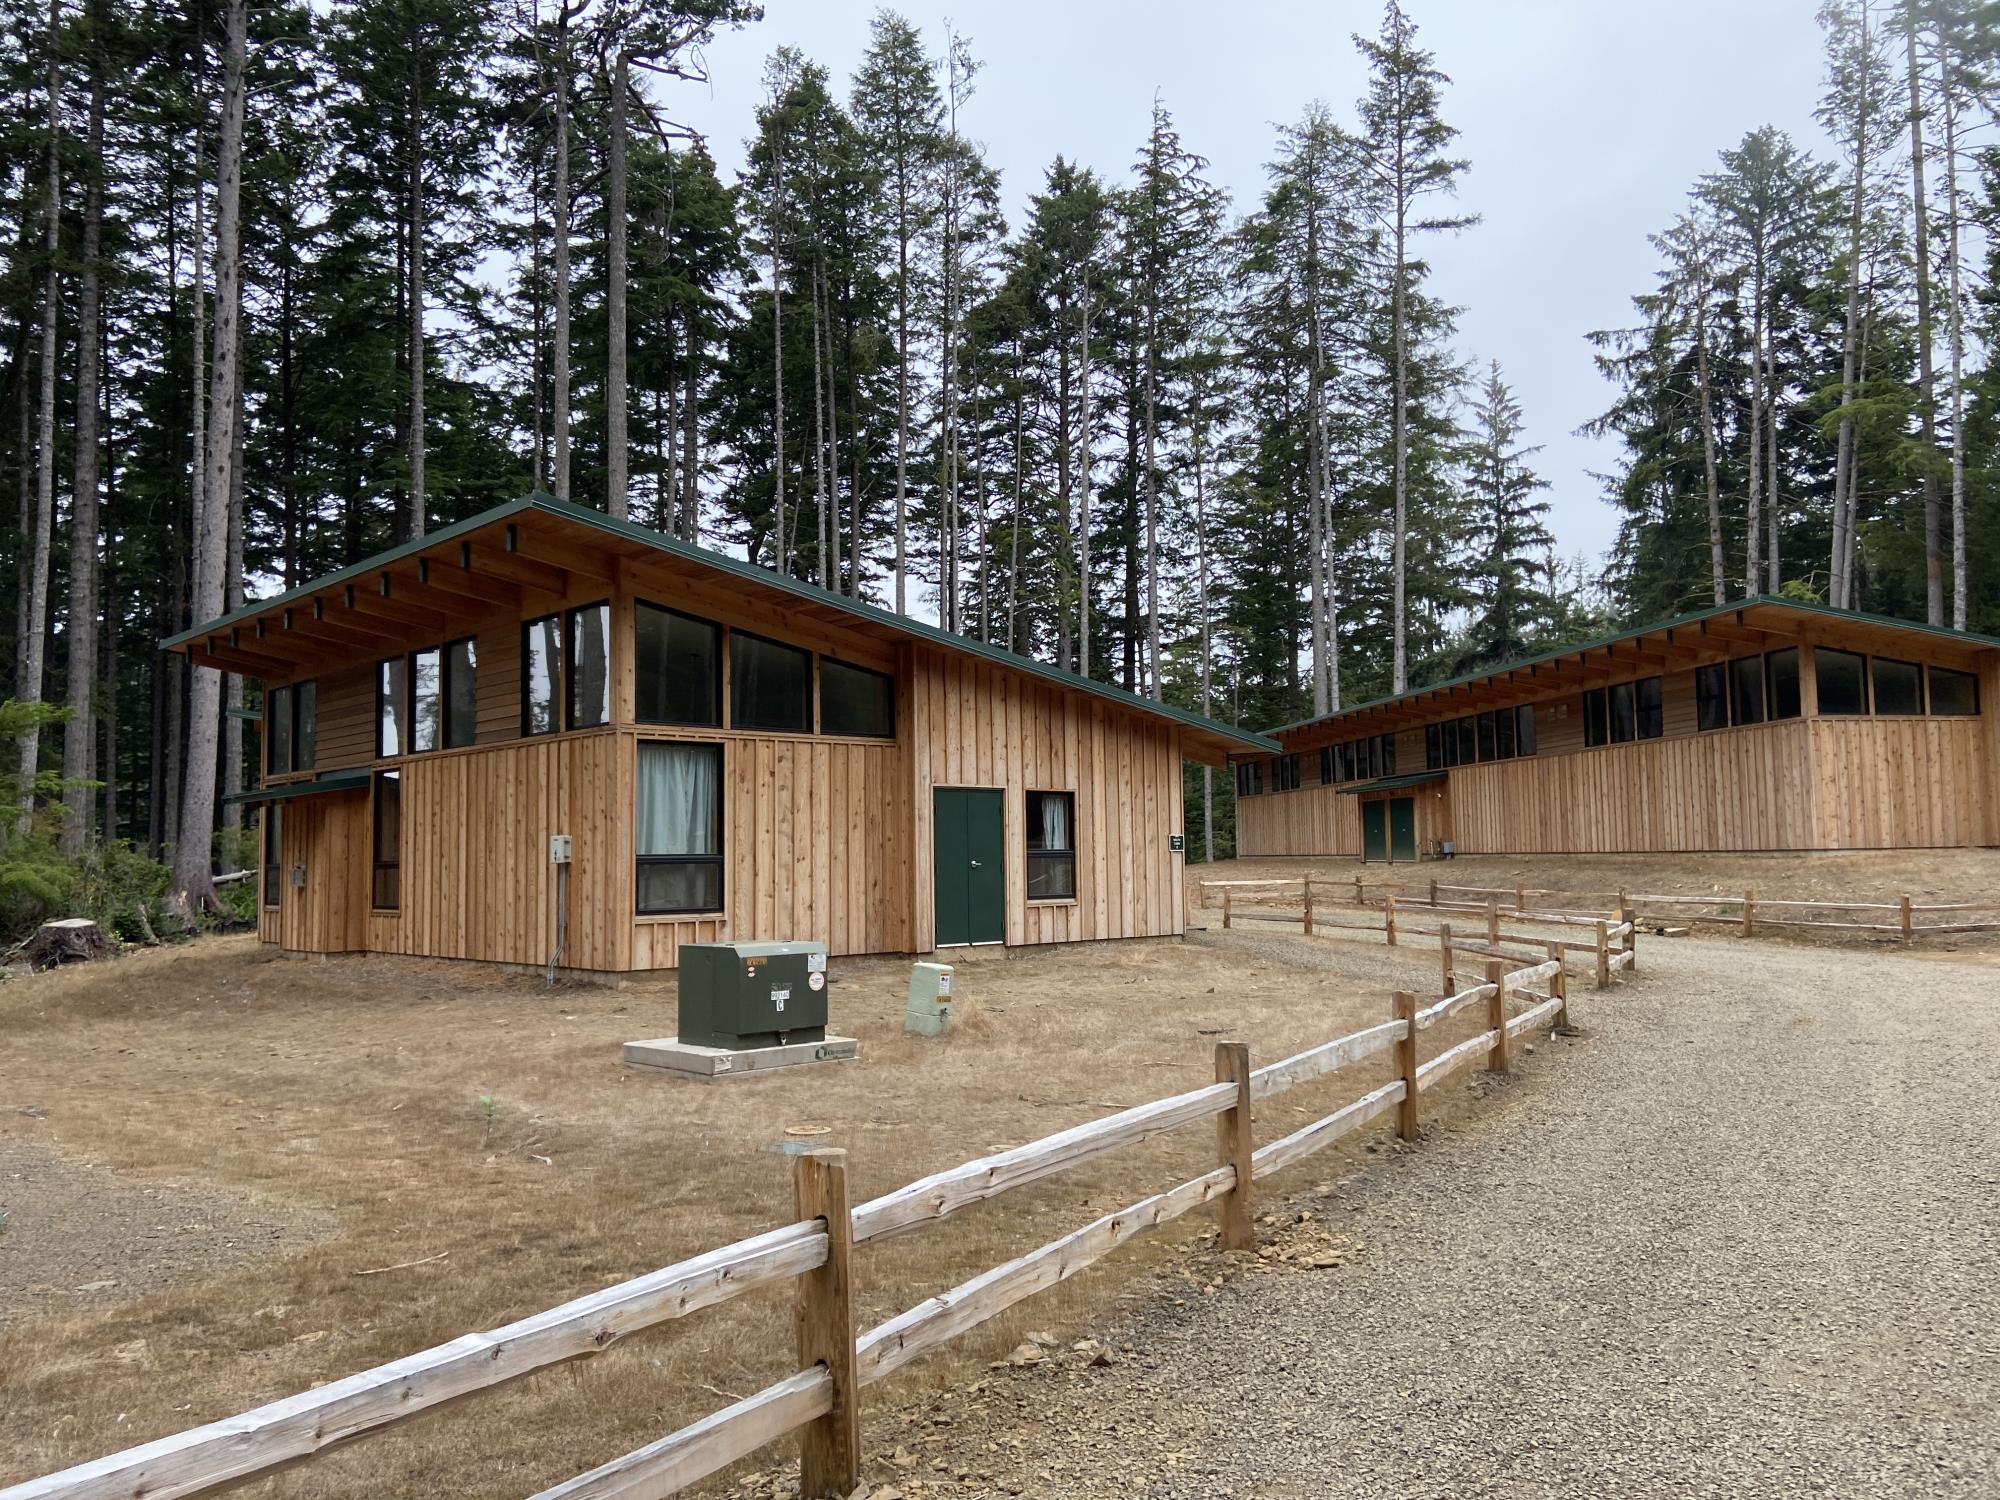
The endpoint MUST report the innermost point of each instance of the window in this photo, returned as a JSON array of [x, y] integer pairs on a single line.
[[1711, 696], [1624, 713], [1899, 686], [1433, 748], [856, 701], [461, 692], [278, 731], [1781, 672], [1388, 756], [1249, 778], [1651, 707], [1953, 692], [1468, 742], [1503, 734], [1052, 844], [274, 854], [1448, 744], [426, 700], [1364, 760], [1843, 686], [388, 887], [541, 675], [770, 685], [1596, 717], [1746, 689], [1488, 746], [679, 667], [1347, 761], [1326, 765], [589, 659], [1525, 731], [1284, 773], [389, 707], [305, 726], [679, 833]]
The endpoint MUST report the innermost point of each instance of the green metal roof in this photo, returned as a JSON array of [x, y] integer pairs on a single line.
[[1387, 783], [1714, 611], [597, 520], [284, 791]]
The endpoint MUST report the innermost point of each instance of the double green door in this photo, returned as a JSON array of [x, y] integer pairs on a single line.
[[970, 871], [1389, 829]]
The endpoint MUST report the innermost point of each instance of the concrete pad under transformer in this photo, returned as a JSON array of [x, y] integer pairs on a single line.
[[669, 1054]]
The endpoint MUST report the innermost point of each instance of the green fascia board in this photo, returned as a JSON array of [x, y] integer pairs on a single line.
[[1713, 612], [247, 715], [284, 791], [1388, 783], [597, 520]]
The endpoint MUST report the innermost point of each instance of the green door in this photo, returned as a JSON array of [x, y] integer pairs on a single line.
[[1403, 828], [1374, 831], [970, 879]]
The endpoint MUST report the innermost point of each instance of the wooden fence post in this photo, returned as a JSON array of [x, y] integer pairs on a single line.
[[1631, 937], [1624, 905], [1406, 1064], [1434, 893], [1225, 911], [1749, 911], [1444, 955], [1309, 905], [1492, 920], [1909, 927], [1360, 892], [829, 1446], [1233, 1145], [1389, 916], [1520, 897], [1501, 1058], [1603, 954], [1559, 985]]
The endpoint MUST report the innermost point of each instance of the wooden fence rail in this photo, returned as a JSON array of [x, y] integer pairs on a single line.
[[820, 1401]]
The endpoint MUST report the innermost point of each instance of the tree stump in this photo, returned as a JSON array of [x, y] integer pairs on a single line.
[[71, 940]]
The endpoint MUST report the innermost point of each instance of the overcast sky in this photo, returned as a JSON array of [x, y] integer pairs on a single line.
[[1585, 122]]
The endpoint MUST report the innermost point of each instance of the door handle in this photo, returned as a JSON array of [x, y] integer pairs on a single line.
[[975, 864]]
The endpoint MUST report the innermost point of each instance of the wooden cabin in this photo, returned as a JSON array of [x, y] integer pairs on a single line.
[[545, 735], [1766, 724]]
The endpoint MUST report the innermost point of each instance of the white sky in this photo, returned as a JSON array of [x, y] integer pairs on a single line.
[[1585, 121]]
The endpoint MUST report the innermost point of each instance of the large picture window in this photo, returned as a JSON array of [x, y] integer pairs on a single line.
[[1650, 707], [461, 692], [856, 701], [1899, 686], [1249, 778], [391, 736], [1711, 696], [1781, 677], [1284, 773], [589, 661], [679, 828], [1746, 689], [1842, 680], [679, 668], [1597, 717], [770, 685], [387, 890], [1953, 692], [278, 731], [274, 854], [1052, 845], [426, 700], [541, 675], [305, 726]]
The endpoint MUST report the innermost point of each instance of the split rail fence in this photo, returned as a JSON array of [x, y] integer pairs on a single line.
[[816, 1254]]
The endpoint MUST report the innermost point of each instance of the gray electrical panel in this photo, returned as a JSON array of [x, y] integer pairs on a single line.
[[741, 995]]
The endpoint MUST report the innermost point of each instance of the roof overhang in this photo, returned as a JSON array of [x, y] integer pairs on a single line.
[[319, 786], [1390, 783], [537, 551]]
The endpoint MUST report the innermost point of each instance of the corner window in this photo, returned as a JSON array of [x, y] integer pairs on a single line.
[[461, 692], [1650, 716], [1489, 748], [1596, 717], [1433, 748], [390, 736], [1624, 713], [274, 854], [1285, 773], [589, 656], [1249, 778], [678, 835], [856, 701], [387, 890], [541, 675], [278, 731], [1326, 765], [1899, 686], [1842, 680], [1746, 689], [770, 685], [426, 700], [305, 726], [1387, 757], [1468, 742], [1524, 737], [1052, 845], [1503, 734], [679, 667], [1711, 696], [1955, 693], [1781, 672]]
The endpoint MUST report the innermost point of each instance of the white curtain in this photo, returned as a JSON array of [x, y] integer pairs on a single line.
[[1055, 823], [678, 794]]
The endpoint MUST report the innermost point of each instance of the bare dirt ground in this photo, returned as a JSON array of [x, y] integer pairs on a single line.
[[1739, 1238], [209, 1156]]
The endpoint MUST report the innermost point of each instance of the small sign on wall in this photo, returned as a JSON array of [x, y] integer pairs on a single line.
[[1176, 843]]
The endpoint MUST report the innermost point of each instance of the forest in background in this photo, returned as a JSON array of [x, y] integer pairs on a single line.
[[288, 284]]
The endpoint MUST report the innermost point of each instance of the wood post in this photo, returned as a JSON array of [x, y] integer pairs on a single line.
[[1225, 911], [1492, 920], [1434, 902], [1603, 954], [1631, 921], [1406, 1064], [1309, 905], [1233, 1144], [1520, 897], [1909, 927], [1360, 892], [1501, 1058], [829, 1446], [1389, 916], [1444, 955], [1749, 911], [1559, 985]]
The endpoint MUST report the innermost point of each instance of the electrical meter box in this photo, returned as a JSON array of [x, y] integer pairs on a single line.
[[740, 995]]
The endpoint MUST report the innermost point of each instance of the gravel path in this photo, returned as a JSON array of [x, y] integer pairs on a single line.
[[1740, 1239]]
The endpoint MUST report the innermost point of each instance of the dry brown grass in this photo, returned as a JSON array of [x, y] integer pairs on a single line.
[[348, 1095]]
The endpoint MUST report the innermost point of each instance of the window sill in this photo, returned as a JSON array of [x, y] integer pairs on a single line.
[[658, 918], [1053, 901]]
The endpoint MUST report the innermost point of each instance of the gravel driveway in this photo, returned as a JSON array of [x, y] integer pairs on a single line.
[[1740, 1239]]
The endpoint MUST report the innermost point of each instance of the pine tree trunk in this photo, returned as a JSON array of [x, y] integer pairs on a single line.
[[1955, 333], [35, 636], [1083, 503], [559, 213], [1718, 565], [690, 441], [1926, 379], [616, 461], [781, 558], [1839, 584], [413, 522], [231, 817], [1753, 535], [80, 731], [1772, 562], [193, 876], [1399, 422]]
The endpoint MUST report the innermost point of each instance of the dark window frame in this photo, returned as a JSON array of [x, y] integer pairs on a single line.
[[1060, 858], [410, 701], [715, 749], [1822, 654], [275, 718], [273, 834], [1875, 664], [810, 678], [558, 678], [1524, 731], [1433, 748], [393, 865], [1711, 696], [1285, 772], [820, 664], [401, 695], [447, 678], [1326, 765], [721, 668], [1738, 678], [1596, 718], [1792, 705], [569, 701], [1649, 708], [1931, 674]]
